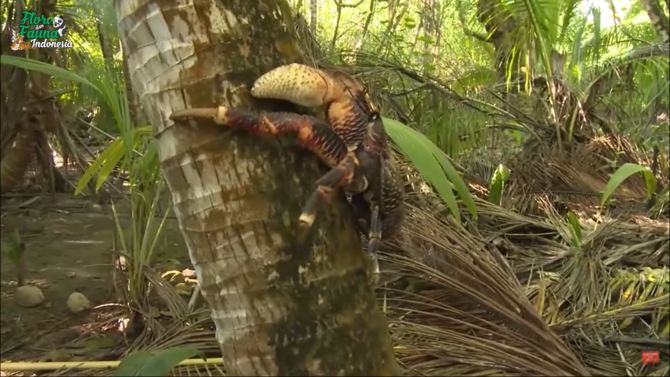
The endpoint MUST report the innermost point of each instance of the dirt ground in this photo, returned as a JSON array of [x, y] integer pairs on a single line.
[[68, 249]]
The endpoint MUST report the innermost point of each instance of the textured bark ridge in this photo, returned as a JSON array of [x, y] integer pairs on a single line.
[[280, 307]]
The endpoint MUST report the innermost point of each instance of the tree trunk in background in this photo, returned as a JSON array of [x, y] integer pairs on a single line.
[[133, 102], [429, 17], [105, 44], [499, 24], [280, 308], [313, 16], [658, 18]]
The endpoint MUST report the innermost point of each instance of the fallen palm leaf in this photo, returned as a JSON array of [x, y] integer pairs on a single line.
[[625, 171], [155, 363]]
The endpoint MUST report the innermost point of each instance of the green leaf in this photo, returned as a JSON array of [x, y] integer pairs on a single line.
[[596, 30], [474, 78], [577, 48], [500, 175], [576, 229], [623, 173], [112, 151], [409, 22], [109, 159], [5, 246], [432, 164], [113, 154], [49, 69], [453, 176], [10, 250], [569, 13], [426, 39], [158, 363], [13, 247]]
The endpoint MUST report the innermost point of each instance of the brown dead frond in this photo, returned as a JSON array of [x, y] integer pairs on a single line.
[[472, 315], [516, 294], [575, 177]]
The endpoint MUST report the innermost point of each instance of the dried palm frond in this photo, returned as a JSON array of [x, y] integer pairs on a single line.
[[576, 177], [461, 310], [472, 317]]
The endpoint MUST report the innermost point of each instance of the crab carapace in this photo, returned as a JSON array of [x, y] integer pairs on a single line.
[[352, 143]]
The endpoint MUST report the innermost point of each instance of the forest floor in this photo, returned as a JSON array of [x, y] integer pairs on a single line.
[[69, 245]]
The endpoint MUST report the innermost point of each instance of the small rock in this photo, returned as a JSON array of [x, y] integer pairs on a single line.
[[77, 302], [121, 263], [28, 296], [96, 207], [70, 274]]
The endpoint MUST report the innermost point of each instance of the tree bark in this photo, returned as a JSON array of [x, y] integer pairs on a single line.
[[280, 307], [105, 44], [658, 18], [499, 24]]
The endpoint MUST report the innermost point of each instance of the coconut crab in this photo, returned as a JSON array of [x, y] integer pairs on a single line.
[[352, 143]]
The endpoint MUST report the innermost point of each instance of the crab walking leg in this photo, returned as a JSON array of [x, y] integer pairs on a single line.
[[312, 133], [338, 177], [393, 209], [375, 237]]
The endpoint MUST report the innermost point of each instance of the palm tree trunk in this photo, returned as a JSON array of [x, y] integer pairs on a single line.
[[280, 307], [658, 18]]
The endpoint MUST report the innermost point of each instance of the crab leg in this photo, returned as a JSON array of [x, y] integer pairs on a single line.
[[345, 100], [312, 133], [338, 177], [375, 238]]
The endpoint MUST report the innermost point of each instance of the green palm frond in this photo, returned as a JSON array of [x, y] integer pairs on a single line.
[[433, 165]]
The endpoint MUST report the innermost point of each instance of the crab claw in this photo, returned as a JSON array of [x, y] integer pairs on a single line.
[[297, 83]]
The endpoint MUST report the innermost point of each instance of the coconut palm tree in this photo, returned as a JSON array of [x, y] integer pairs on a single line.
[[280, 307]]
